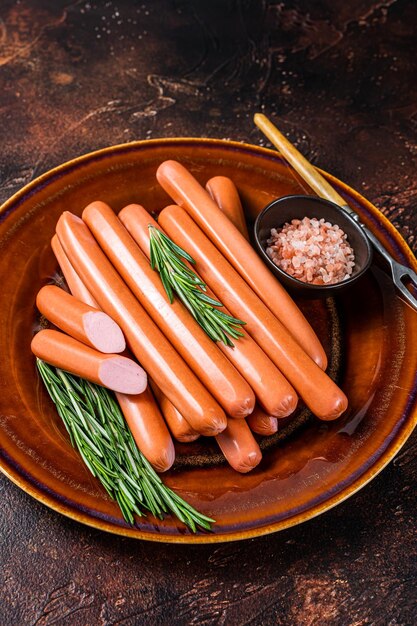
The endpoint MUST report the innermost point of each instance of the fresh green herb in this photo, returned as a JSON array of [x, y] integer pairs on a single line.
[[98, 431], [168, 259]]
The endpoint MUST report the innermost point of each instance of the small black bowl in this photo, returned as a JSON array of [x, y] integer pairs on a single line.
[[287, 208]]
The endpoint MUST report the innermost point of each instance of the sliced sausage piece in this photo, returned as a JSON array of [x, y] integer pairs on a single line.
[[144, 338], [140, 411], [177, 424], [109, 370], [187, 192], [239, 446], [202, 355], [318, 391], [148, 429], [224, 193], [74, 282], [271, 388], [261, 423], [81, 321]]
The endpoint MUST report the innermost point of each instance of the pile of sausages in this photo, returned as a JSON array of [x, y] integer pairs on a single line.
[[201, 387]]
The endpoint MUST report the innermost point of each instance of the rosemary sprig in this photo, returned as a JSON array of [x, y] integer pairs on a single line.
[[98, 431], [168, 259]]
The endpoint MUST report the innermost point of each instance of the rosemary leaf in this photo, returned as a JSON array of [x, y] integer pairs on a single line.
[[168, 259], [98, 431], [207, 300]]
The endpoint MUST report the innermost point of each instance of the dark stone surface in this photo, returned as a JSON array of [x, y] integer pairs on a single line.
[[340, 78]]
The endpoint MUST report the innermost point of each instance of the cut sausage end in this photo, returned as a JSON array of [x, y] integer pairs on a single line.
[[103, 333], [123, 375]]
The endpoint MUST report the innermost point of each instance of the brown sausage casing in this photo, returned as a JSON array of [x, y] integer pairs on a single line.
[[113, 371], [79, 320]]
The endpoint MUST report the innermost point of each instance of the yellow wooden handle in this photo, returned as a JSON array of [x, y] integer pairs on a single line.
[[307, 171]]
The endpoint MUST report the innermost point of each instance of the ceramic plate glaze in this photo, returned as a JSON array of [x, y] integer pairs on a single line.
[[368, 332]]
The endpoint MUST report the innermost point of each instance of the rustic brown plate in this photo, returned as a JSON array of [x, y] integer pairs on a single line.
[[369, 333]]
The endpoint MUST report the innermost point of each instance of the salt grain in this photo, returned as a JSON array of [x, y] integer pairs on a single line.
[[313, 251]]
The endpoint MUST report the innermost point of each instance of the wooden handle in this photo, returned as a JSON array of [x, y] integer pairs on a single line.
[[307, 171]]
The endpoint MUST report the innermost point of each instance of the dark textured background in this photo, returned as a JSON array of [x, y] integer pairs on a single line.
[[340, 76]]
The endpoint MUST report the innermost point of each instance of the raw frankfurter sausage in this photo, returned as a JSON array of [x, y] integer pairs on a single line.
[[261, 423], [317, 390], [224, 193], [187, 192], [272, 390], [239, 446], [81, 321], [213, 369], [74, 282], [148, 429], [136, 219], [109, 370], [226, 196], [145, 339], [140, 411], [177, 424]]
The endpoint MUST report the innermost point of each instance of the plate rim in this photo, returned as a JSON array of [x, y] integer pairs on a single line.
[[361, 481]]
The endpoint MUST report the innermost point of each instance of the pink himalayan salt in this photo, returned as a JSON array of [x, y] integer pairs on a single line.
[[313, 251]]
